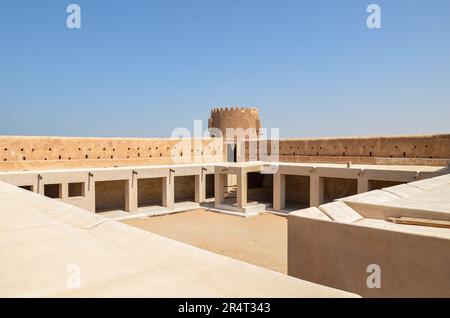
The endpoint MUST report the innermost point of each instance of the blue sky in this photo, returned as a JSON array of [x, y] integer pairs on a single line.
[[143, 68]]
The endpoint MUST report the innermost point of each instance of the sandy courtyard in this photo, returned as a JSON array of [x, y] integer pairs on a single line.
[[260, 240]]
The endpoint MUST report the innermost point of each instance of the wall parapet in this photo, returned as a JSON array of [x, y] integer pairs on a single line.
[[29, 152], [410, 150]]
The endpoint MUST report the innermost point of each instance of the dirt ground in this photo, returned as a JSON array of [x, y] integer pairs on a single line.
[[259, 240]]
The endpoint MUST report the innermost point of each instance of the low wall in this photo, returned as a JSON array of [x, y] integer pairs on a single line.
[[337, 255], [349, 244]]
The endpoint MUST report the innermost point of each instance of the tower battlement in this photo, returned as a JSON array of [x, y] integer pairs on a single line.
[[249, 110], [234, 117]]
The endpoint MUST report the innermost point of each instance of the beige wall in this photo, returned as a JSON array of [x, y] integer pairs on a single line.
[[26, 153], [430, 150], [259, 187], [184, 188], [427, 146], [150, 191], [110, 195], [23, 153], [297, 189], [336, 188], [380, 184], [337, 255]]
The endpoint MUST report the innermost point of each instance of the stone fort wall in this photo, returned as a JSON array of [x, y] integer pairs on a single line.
[[24, 153], [432, 150]]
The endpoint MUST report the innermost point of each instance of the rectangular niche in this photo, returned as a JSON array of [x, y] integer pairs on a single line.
[[184, 188], [149, 192], [76, 189], [53, 191], [297, 192], [110, 195]]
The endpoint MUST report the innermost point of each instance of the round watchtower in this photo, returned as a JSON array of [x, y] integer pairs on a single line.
[[234, 117]]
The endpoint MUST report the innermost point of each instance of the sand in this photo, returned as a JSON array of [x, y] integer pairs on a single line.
[[259, 240]]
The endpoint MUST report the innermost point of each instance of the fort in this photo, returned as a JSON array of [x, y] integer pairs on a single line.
[[348, 202]]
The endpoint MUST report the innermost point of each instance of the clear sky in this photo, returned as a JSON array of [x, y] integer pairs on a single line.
[[142, 68]]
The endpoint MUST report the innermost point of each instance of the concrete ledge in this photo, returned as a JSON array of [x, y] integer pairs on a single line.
[[404, 190], [428, 184], [250, 209], [312, 213], [372, 197], [157, 211], [340, 212]]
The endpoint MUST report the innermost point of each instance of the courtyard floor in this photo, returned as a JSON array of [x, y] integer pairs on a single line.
[[259, 240]]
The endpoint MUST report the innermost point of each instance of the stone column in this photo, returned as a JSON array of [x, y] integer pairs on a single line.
[[279, 191], [64, 189], [219, 187], [35, 185], [200, 187], [39, 184], [241, 192], [363, 184], [89, 191], [316, 190], [131, 196], [168, 191]]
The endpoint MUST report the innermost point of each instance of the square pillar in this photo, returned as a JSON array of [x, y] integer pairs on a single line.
[[279, 191], [89, 192], [219, 187], [168, 191], [200, 187], [64, 190], [316, 190], [241, 189], [131, 195], [363, 184], [39, 184]]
